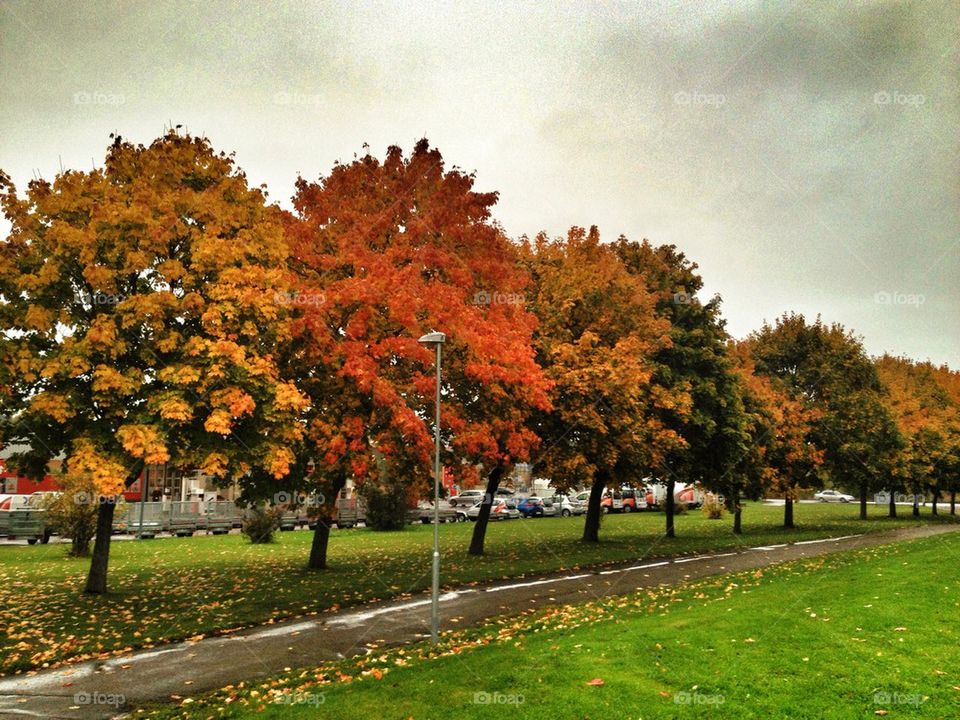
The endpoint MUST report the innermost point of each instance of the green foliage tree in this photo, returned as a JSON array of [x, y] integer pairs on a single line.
[[694, 365], [827, 368]]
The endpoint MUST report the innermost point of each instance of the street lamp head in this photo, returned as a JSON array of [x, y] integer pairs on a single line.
[[434, 338]]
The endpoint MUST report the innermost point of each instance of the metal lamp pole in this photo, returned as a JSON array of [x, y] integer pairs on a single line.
[[437, 339]]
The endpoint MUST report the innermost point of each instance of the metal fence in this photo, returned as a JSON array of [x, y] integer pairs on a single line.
[[26, 523], [181, 517]]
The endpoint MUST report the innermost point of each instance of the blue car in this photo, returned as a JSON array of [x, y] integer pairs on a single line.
[[531, 507]]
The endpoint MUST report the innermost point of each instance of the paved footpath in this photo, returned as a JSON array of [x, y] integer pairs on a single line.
[[189, 668]]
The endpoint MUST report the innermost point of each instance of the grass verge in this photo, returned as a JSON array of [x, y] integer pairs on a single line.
[[846, 635], [170, 589]]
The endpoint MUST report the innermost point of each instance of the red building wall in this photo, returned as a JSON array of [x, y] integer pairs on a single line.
[[13, 484]]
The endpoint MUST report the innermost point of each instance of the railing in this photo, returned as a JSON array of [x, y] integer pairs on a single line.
[[181, 517]]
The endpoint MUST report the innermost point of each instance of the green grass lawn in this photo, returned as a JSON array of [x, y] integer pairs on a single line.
[[170, 589], [846, 635]]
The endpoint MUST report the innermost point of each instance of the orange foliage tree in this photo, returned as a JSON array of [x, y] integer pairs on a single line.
[[384, 252], [918, 396], [597, 336]]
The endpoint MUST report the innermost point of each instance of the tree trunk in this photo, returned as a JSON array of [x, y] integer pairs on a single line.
[[893, 505], [953, 502], [737, 514], [318, 548], [863, 500], [788, 512], [79, 547], [916, 505], [97, 577], [321, 533], [668, 507], [480, 528], [591, 526], [936, 499]]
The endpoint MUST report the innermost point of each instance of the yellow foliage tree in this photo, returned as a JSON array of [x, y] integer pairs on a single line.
[[140, 308]]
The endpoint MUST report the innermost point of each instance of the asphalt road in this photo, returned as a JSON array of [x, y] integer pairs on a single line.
[[106, 688]]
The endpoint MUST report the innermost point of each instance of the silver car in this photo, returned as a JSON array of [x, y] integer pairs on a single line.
[[466, 498], [833, 496], [565, 506]]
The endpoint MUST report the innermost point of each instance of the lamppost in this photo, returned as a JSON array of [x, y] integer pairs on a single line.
[[436, 339]]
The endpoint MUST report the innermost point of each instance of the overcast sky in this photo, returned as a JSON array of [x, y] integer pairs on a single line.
[[804, 154]]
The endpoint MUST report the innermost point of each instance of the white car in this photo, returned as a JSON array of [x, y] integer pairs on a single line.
[[499, 510], [833, 496]]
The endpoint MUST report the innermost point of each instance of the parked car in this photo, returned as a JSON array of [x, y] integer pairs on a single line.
[[566, 506], [507, 508], [580, 502], [473, 512], [500, 510], [833, 496], [533, 507], [20, 502], [624, 500], [655, 496], [466, 498], [424, 512]]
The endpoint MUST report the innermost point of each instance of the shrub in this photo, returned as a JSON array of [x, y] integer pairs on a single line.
[[386, 504], [261, 522], [73, 512], [713, 507]]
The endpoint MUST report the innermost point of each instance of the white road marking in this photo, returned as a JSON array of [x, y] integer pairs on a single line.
[[536, 582], [823, 540], [357, 618], [279, 630], [25, 713], [649, 565], [17, 683]]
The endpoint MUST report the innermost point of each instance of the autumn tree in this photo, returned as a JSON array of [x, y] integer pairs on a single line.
[[826, 368], [138, 309], [949, 380], [598, 332], [750, 429], [383, 252], [694, 365], [783, 448], [927, 417]]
